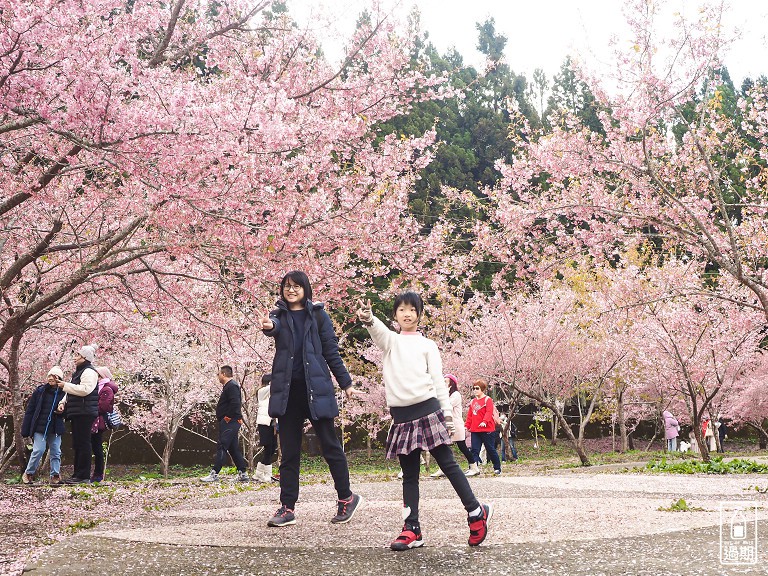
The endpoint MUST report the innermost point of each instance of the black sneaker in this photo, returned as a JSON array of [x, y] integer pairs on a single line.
[[283, 517], [74, 480], [347, 509]]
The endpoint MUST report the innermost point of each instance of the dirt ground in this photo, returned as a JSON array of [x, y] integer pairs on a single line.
[[577, 522]]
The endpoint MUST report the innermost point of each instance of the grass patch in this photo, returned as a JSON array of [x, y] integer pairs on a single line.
[[680, 506], [82, 524], [716, 466]]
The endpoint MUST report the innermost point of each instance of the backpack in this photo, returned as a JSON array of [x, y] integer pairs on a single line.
[[113, 419], [496, 415]]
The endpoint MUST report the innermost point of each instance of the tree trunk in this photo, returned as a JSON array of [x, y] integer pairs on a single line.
[[6, 456], [622, 422], [167, 451], [578, 443], [555, 426], [762, 435], [368, 445], [16, 399], [700, 440], [655, 435]]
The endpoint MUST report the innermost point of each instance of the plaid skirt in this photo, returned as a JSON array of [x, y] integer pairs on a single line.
[[423, 433]]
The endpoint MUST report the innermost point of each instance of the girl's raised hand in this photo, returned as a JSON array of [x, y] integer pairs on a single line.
[[266, 323], [364, 313]]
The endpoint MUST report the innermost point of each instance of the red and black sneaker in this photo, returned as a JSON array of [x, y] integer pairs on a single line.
[[409, 538], [478, 525]]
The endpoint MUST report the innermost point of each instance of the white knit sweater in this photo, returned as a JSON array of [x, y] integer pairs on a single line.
[[411, 367]]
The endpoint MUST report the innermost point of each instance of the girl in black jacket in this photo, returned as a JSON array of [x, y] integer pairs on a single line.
[[306, 352]]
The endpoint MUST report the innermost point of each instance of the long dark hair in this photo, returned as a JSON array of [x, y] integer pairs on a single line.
[[300, 278]]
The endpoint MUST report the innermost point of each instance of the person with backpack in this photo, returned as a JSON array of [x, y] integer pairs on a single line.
[[482, 424], [306, 353], [81, 410], [107, 390], [45, 426]]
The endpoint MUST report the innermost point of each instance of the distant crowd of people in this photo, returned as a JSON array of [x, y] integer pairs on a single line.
[[709, 431]]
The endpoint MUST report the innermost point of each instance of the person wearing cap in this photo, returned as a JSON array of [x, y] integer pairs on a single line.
[[45, 426], [82, 409]]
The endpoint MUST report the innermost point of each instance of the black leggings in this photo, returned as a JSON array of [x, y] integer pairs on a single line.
[[411, 465], [462, 444]]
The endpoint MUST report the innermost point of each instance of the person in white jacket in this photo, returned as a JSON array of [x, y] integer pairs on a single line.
[[266, 431], [422, 416], [82, 408]]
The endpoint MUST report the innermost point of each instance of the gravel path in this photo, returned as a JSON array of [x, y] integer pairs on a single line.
[[587, 523]]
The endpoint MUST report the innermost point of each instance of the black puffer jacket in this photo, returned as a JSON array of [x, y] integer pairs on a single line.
[[83, 405], [321, 357]]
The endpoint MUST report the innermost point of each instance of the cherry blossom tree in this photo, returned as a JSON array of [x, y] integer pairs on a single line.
[[159, 154], [694, 348], [747, 406], [368, 410], [551, 346], [171, 381], [675, 167]]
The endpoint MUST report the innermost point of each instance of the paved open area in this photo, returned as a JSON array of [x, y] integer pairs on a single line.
[[590, 523]]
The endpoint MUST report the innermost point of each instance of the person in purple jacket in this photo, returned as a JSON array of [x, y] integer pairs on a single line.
[[107, 390], [671, 430]]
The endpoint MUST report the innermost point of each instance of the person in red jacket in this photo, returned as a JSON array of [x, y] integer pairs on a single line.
[[481, 424]]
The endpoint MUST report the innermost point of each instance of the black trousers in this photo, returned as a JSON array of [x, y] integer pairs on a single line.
[[291, 430], [81, 445], [462, 444], [97, 448], [411, 465], [268, 441], [228, 445]]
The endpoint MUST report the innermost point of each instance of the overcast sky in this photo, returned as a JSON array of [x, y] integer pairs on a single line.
[[541, 33]]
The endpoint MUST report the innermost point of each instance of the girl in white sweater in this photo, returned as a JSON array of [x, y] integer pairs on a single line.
[[421, 413]]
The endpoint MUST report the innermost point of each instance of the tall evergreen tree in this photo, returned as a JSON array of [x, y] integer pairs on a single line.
[[571, 96]]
